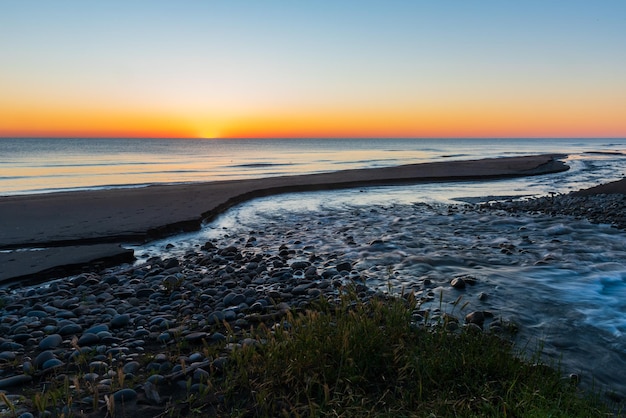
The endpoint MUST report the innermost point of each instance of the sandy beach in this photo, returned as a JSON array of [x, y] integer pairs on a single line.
[[71, 229]]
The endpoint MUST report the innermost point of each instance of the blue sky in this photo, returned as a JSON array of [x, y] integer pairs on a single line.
[[230, 68]]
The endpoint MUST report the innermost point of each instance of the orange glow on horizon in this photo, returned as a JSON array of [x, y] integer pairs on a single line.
[[91, 124], [443, 122]]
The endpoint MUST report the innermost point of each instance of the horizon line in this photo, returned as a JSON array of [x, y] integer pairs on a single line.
[[304, 137]]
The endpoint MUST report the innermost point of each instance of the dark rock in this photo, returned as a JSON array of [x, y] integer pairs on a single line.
[[131, 367], [301, 289], [310, 272], [50, 342], [88, 339], [120, 320], [171, 263], [42, 358], [458, 283], [99, 367], [476, 317], [299, 265], [343, 266], [14, 381], [97, 328], [125, 395], [196, 337], [70, 329], [52, 363], [234, 299]]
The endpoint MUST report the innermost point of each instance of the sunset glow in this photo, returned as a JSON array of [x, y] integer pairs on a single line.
[[277, 69]]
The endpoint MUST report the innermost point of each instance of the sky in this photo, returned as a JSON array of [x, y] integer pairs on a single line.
[[208, 69]]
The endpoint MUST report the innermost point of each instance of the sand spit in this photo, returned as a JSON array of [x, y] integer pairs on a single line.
[[71, 228]]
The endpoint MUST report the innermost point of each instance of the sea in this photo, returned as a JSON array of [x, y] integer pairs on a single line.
[[47, 165], [561, 280]]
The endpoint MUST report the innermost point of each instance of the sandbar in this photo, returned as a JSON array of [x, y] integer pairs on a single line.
[[73, 229]]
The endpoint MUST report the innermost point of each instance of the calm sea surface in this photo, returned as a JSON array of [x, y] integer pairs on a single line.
[[47, 165]]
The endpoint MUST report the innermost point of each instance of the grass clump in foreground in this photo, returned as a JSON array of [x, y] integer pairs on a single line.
[[368, 359]]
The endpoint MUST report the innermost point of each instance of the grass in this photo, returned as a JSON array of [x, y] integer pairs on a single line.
[[369, 359], [350, 358]]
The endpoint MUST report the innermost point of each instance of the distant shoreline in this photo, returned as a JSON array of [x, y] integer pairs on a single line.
[[72, 229]]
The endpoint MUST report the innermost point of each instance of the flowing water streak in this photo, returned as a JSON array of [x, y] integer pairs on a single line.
[[563, 280]]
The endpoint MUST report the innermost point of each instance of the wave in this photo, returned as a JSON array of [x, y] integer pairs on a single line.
[[454, 155], [605, 152], [260, 165]]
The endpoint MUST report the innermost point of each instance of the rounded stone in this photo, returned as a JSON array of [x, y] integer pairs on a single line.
[[88, 339], [131, 367], [50, 342], [10, 346], [96, 329], [234, 299], [120, 320], [476, 317], [43, 357], [196, 337], [91, 377], [7, 356], [70, 329], [344, 266], [13, 381], [458, 283], [98, 367], [299, 265], [53, 362], [156, 379], [196, 357], [125, 395], [201, 375]]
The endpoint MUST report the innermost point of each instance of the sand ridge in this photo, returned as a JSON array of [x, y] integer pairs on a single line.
[[68, 226]]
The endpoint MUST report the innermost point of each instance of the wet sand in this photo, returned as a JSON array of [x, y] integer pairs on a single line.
[[73, 229], [614, 187]]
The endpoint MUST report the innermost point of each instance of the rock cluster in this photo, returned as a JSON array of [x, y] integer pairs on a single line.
[[600, 208], [101, 329], [134, 336]]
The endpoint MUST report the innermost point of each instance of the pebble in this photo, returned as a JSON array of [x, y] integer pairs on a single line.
[[52, 363], [88, 339], [125, 395], [121, 316], [458, 283], [14, 381], [42, 358], [120, 320], [50, 342]]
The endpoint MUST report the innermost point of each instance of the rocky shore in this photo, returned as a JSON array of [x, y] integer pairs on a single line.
[[597, 208], [138, 340], [139, 334]]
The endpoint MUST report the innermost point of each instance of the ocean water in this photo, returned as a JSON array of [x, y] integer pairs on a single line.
[[48, 165]]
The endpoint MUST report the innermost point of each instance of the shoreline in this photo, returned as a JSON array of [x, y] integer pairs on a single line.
[[71, 230], [148, 336]]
